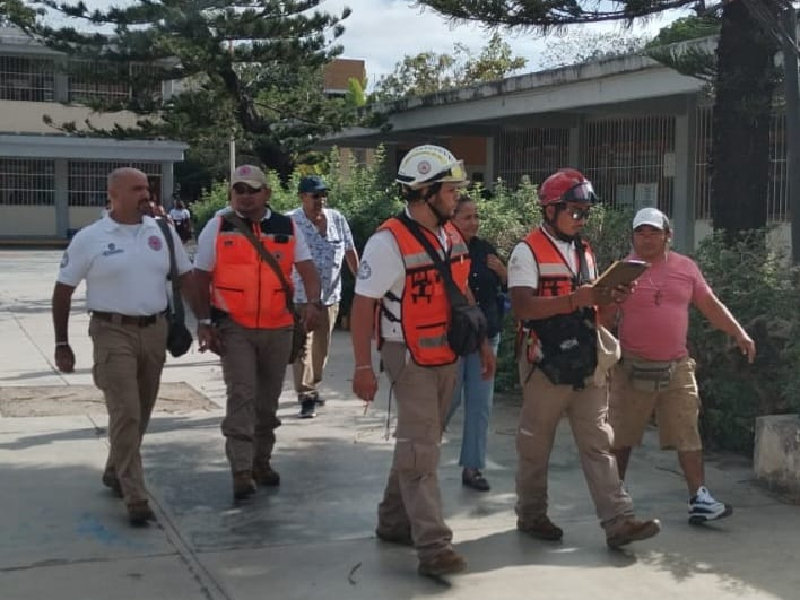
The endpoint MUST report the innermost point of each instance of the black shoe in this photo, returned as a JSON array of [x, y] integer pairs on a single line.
[[307, 409], [264, 474], [139, 514], [243, 485], [472, 478], [111, 481]]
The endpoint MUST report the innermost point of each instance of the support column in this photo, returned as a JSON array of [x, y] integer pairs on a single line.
[[683, 201], [61, 197], [167, 185], [489, 175]]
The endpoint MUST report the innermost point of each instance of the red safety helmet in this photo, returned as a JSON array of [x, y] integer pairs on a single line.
[[566, 185]]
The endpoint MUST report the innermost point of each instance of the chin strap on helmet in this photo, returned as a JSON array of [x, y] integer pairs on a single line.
[[560, 235], [430, 193]]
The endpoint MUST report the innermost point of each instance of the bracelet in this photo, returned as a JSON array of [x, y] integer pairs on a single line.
[[204, 321], [62, 344], [363, 367]]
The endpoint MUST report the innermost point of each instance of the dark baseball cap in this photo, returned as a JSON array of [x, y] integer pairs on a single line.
[[311, 184]]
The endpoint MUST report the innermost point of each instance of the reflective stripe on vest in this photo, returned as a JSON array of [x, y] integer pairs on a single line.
[[424, 307], [243, 285]]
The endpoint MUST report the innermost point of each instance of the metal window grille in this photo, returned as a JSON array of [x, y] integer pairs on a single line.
[[27, 182], [87, 180], [116, 81], [533, 152], [26, 79], [777, 192], [630, 161]]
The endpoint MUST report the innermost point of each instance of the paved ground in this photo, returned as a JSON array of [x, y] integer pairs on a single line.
[[64, 536]]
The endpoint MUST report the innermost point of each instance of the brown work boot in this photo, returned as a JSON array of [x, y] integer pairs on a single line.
[[632, 530], [447, 562], [401, 538], [542, 528], [264, 474], [139, 514], [243, 485], [111, 481]]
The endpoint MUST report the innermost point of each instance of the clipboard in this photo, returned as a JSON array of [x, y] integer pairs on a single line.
[[621, 272]]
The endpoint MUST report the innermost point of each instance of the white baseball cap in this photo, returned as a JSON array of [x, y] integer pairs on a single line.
[[251, 175], [652, 217]]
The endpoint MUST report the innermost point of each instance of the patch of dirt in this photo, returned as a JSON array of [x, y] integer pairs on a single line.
[[59, 401]]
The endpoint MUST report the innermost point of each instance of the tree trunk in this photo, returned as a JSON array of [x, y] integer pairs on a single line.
[[745, 85]]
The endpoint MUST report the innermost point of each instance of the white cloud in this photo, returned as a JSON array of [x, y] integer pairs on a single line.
[[383, 31]]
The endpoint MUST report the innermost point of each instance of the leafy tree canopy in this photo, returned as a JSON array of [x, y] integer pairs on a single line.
[[251, 68], [429, 72]]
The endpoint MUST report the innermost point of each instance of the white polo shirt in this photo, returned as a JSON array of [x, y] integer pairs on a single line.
[[206, 257], [125, 266]]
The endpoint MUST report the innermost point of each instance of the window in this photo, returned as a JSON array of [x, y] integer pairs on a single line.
[[87, 180], [26, 79], [91, 80], [27, 182]]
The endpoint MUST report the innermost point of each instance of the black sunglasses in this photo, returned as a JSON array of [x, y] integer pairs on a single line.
[[577, 213], [243, 188]]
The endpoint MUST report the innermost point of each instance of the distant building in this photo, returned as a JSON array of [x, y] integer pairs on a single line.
[[52, 184]]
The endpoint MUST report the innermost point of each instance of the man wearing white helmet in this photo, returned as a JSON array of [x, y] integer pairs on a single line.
[[656, 372], [399, 278]]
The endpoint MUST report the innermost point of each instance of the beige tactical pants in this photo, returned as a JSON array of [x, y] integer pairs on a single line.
[[412, 500], [308, 371], [542, 406], [128, 361], [253, 365]]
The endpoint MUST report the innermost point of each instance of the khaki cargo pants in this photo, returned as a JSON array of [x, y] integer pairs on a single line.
[[128, 361], [253, 365], [308, 371], [542, 406], [412, 500]]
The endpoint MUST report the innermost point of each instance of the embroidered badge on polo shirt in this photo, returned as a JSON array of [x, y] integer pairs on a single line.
[[112, 249], [154, 242]]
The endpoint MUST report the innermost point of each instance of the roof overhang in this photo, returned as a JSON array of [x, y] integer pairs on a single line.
[[44, 146]]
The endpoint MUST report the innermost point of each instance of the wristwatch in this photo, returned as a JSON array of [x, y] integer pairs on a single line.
[[204, 321]]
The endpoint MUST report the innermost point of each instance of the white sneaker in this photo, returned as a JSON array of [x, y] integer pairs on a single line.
[[703, 507]]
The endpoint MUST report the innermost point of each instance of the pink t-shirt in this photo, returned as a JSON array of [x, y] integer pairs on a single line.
[[655, 317]]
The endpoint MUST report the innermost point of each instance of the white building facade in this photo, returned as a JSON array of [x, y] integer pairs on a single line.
[[51, 183]]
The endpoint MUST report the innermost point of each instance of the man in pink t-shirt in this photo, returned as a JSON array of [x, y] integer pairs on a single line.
[[656, 372]]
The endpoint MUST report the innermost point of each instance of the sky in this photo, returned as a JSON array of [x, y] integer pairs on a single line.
[[383, 31]]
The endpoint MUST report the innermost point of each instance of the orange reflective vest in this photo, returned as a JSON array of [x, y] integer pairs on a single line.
[[243, 286], [424, 307], [556, 278]]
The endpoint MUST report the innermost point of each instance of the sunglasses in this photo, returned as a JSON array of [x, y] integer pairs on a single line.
[[243, 188], [320, 196], [578, 214]]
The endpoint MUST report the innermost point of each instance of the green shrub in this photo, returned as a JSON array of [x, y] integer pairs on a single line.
[[760, 289]]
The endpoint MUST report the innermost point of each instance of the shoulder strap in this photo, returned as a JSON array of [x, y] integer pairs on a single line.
[[267, 257], [455, 295], [583, 272], [177, 301]]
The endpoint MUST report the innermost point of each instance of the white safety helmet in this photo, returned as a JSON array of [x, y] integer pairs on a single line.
[[426, 165]]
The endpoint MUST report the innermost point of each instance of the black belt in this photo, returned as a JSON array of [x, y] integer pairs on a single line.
[[137, 320]]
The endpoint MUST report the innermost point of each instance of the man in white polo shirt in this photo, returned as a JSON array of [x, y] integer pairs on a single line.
[[125, 260]]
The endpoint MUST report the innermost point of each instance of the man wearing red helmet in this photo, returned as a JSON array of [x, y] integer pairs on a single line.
[[549, 280]]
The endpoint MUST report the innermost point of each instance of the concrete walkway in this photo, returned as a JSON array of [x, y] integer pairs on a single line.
[[62, 535]]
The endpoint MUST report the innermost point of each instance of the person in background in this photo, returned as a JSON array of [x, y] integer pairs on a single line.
[[182, 219], [486, 280], [328, 237], [656, 372]]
